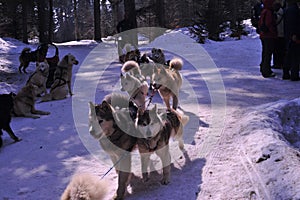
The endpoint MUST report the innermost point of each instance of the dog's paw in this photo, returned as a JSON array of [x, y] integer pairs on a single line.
[[18, 139], [116, 197], [165, 181], [145, 177]]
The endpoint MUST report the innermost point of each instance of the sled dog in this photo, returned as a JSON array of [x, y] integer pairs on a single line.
[[6, 106], [61, 86], [115, 127], [158, 56], [28, 56], [24, 103], [39, 78], [168, 82], [162, 126], [136, 89], [85, 186], [104, 122]]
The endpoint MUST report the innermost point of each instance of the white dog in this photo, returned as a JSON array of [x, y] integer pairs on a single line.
[[39, 78], [85, 187]]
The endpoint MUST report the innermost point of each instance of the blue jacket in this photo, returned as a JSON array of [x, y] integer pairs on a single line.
[[292, 21]]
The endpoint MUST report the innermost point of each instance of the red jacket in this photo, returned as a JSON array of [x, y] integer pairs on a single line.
[[267, 16]]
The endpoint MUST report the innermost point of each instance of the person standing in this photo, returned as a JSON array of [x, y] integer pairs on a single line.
[[268, 36], [292, 37], [256, 11], [279, 51]]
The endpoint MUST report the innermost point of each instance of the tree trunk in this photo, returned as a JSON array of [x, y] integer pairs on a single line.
[[76, 31], [115, 13], [24, 27], [129, 8], [212, 20], [51, 23], [97, 21], [160, 12], [42, 21]]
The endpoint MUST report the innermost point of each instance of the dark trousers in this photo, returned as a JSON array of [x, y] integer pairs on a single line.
[[279, 52], [268, 46], [292, 61]]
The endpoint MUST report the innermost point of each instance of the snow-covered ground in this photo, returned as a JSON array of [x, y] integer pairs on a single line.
[[242, 140]]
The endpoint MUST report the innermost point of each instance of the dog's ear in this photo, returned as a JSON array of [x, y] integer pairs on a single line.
[[45, 61], [106, 106], [127, 76], [154, 109], [92, 111], [37, 64], [66, 59], [152, 50], [12, 94], [163, 116]]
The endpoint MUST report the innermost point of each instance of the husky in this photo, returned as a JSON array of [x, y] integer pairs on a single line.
[[157, 131], [114, 126], [133, 68], [6, 106], [85, 186], [130, 55], [104, 126], [136, 89], [147, 68], [24, 103], [39, 77], [61, 86], [28, 56], [168, 82], [158, 56]]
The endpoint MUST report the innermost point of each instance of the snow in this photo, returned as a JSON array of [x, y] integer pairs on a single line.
[[242, 140]]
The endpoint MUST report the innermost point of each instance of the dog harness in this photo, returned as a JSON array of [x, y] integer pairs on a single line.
[[61, 80]]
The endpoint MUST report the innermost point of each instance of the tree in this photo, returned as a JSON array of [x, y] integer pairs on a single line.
[[51, 23], [42, 15], [25, 16], [129, 8], [214, 19], [76, 29], [115, 12], [97, 21], [160, 12]]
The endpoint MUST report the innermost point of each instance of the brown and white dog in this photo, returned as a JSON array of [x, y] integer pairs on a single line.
[[168, 82], [24, 103], [61, 86]]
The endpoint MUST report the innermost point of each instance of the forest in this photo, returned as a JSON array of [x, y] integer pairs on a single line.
[[67, 20]]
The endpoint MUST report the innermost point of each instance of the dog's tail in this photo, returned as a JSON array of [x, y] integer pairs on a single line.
[[176, 64], [184, 119], [85, 186], [131, 66]]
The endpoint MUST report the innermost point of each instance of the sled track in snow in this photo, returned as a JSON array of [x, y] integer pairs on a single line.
[[260, 190]]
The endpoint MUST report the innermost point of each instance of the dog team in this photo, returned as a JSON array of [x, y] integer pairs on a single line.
[[22, 104], [123, 122]]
